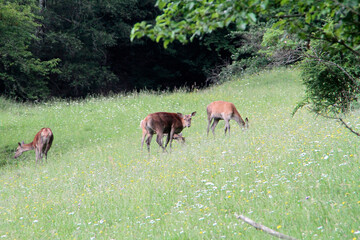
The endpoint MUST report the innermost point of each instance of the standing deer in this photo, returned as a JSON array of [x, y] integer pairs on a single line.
[[161, 123], [179, 137], [220, 110], [41, 143]]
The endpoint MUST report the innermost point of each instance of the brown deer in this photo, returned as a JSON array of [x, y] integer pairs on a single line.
[[41, 143], [161, 123], [220, 110], [178, 137]]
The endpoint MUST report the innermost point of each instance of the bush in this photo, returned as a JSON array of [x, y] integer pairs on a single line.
[[331, 78]]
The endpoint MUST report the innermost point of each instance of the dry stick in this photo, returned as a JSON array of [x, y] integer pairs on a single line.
[[263, 228]]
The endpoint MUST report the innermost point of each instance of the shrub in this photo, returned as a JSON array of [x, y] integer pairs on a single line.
[[331, 78]]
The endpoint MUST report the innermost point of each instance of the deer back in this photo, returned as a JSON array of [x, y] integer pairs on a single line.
[[164, 121]]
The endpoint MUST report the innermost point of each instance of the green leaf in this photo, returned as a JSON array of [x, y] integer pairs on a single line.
[[159, 36], [161, 4], [191, 5], [166, 43], [252, 17], [243, 26]]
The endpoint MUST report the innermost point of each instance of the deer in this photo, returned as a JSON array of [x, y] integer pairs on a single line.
[[41, 143], [221, 110], [162, 123], [178, 137]]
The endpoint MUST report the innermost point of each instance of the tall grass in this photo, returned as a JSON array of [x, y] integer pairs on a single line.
[[298, 175]]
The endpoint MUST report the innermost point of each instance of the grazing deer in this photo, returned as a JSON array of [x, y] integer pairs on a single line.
[[161, 123], [220, 110], [179, 137], [41, 143]]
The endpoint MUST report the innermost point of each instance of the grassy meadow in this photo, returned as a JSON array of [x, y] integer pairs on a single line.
[[297, 175]]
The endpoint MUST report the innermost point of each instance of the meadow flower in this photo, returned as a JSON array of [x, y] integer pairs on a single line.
[[178, 204]]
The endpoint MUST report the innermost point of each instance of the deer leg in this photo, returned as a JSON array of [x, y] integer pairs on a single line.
[[44, 151], [148, 141], [159, 139], [37, 154], [227, 126], [213, 126], [167, 140], [142, 140], [208, 127], [171, 136], [41, 153]]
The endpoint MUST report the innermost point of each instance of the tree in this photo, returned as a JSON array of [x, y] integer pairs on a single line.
[[75, 33], [330, 29], [22, 75], [333, 21], [184, 20], [97, 57]]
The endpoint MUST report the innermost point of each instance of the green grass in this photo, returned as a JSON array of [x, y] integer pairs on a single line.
[[297, 175]]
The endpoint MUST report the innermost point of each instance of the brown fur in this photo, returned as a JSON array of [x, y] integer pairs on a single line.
[[161, 123], [178, 137], [41, 143], [220, 110]]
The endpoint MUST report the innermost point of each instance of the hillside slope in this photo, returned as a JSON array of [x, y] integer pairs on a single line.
[[298, 175]]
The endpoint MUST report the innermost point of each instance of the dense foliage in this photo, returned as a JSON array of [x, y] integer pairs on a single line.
[[333, 27], [74, 49], [331, 80], [21, 73]]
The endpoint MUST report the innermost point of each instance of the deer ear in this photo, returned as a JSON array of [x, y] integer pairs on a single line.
[[193, 114], [180, 115]]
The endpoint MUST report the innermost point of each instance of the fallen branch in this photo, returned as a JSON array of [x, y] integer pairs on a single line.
[[342, 122], [263, 228], [348, 127]]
